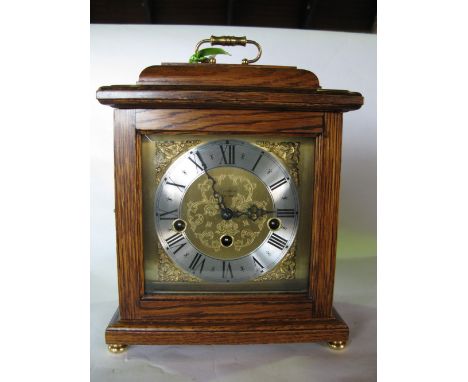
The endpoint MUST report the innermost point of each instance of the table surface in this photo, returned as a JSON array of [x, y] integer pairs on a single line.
[[355, 299]]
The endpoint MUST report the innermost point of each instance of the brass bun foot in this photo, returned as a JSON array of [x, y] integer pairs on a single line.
[[337, 345], [117, 348]]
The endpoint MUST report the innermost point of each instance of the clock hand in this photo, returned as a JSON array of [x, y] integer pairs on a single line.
[[216, 194], [238, 214], [253, 212]]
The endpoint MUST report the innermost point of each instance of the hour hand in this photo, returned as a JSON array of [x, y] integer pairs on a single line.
[[253, 212]]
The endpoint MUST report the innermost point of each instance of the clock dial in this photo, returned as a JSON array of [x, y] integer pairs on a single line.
[[226, 211]]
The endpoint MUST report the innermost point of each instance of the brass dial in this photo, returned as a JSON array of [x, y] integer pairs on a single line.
[[226, 211]]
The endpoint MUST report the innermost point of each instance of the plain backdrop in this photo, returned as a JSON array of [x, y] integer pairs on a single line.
[[340, 60]]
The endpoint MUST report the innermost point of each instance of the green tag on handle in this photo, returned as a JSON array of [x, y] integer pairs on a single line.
[[204, 55]]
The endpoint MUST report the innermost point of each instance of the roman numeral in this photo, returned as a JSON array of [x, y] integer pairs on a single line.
[[258, 160], [180, 187], [256, 262], [277, 184], [196, 263], [174, 239], [227, 268], [202, 165], [175, 184], [229, 153], [285, 212], [168, 215], [277, 241], [179, 247]]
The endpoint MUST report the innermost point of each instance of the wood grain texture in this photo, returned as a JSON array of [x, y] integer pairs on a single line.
[[202, 97], [235, 75], [152, 333], [209, 308], [178, 121], [325, 214], [128, 212], [226, 309]]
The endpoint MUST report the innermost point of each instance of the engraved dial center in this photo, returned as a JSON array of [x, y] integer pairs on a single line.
[[207, 222]]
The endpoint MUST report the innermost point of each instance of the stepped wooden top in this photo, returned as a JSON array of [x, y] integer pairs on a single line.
[[229, 87], [260, 76]]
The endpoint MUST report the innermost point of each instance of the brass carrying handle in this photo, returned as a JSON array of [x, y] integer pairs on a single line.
[[231, 41]]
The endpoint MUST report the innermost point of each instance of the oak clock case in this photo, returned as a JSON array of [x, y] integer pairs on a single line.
[[226, 189]]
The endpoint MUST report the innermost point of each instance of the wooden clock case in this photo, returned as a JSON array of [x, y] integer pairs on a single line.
[[226, 99]]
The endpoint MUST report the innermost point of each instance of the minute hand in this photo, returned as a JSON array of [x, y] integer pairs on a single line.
[[219, 198]]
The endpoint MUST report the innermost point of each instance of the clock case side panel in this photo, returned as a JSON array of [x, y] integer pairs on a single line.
[[325, 214], [128, 207]]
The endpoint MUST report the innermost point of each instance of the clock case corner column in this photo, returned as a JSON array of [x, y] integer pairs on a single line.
[[127, 174], [326, 194]]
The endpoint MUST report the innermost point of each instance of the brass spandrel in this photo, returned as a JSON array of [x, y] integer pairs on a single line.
[[288, 152], [168, 271], [285, 270], [165, 152]]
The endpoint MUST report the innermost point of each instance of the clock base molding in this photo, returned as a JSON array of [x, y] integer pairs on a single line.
[[120, 334]]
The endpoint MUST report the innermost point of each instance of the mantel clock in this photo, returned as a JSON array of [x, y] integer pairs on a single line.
[[226, 203]]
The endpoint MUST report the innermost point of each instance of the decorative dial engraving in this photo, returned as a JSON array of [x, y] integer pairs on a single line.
[[241, 189], [226, 211]]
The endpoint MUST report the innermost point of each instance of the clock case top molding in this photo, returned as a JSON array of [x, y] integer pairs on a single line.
[[226, 99]]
